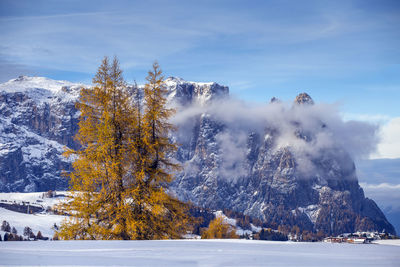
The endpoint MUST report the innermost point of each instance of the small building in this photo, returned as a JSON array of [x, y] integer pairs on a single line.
[[357, 240]]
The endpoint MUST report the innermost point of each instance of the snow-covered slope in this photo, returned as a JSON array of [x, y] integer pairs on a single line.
[[37, 222], [25, 84], [195, 253], [43, 221]]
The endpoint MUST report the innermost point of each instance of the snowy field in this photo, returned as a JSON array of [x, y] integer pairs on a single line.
[[195, 253], [37, 222], [176, 252]]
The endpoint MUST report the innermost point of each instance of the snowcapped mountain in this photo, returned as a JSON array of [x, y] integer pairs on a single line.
[[285, 164], [293, 170], [37, 120]]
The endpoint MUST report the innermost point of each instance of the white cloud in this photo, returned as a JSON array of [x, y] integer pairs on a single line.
[[372, 118], [320, 124], [389, 145]]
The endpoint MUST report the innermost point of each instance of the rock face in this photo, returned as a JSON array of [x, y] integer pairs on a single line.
[[304, 98], [271, 184], [38, 119]]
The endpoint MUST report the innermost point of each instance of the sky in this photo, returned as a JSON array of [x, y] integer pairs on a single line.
[[343, 52]]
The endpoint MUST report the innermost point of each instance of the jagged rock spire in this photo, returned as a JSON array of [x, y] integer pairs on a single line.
[[274, 100], [304, 98]]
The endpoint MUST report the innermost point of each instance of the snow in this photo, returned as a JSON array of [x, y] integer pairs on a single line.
[[255, 228], [202, 83], [312, 212], [392, 242], [227, 220], [173, 81], [39, 95], [175, 252], [37, 222], [25, 83], [195, 253], [34, 197]]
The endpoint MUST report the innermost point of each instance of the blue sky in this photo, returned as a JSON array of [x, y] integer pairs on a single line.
[[338, 51], [345, 52]]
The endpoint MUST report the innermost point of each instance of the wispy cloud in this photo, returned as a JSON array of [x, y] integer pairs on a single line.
[[240, 85], [372, 118], [321, 123], [7, 19], [330, 48], [10, 69], [389, 131]]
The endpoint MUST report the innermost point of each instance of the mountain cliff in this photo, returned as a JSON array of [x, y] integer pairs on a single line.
[[287, 171], [37, 120]]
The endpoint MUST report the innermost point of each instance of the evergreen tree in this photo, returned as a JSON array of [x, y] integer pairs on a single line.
[[100, 173], [27, 231], [157, 214], [5, 226], [39, 235], [123, 167]]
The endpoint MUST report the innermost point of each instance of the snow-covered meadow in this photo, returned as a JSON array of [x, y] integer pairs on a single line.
[[174, 252], [195, 253], [43, 222]]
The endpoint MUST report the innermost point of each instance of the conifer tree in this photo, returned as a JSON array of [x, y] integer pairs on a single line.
[[156, 215], [5, 226], [27, 231], [99, 170], [39, 235], [121, 171]]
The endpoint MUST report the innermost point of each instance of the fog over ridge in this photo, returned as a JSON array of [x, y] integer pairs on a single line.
[[306, 129]]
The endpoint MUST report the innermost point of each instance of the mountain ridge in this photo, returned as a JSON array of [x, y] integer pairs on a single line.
[[250, 171]]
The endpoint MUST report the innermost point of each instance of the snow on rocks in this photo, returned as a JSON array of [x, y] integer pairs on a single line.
[[26, 83]]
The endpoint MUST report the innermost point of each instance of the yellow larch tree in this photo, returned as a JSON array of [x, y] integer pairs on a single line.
[[121, 171], [100, 168], [218, 229], [159, 215]]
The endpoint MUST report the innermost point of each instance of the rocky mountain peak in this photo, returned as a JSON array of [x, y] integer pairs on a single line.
[[303, 98], [38, 119], [21, 78], [187, 92], [274, 100], [27, 83]]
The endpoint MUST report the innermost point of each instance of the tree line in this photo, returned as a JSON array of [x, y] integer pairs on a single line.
[[11, 233]]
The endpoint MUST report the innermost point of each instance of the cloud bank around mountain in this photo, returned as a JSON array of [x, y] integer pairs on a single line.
[[308, 130]]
